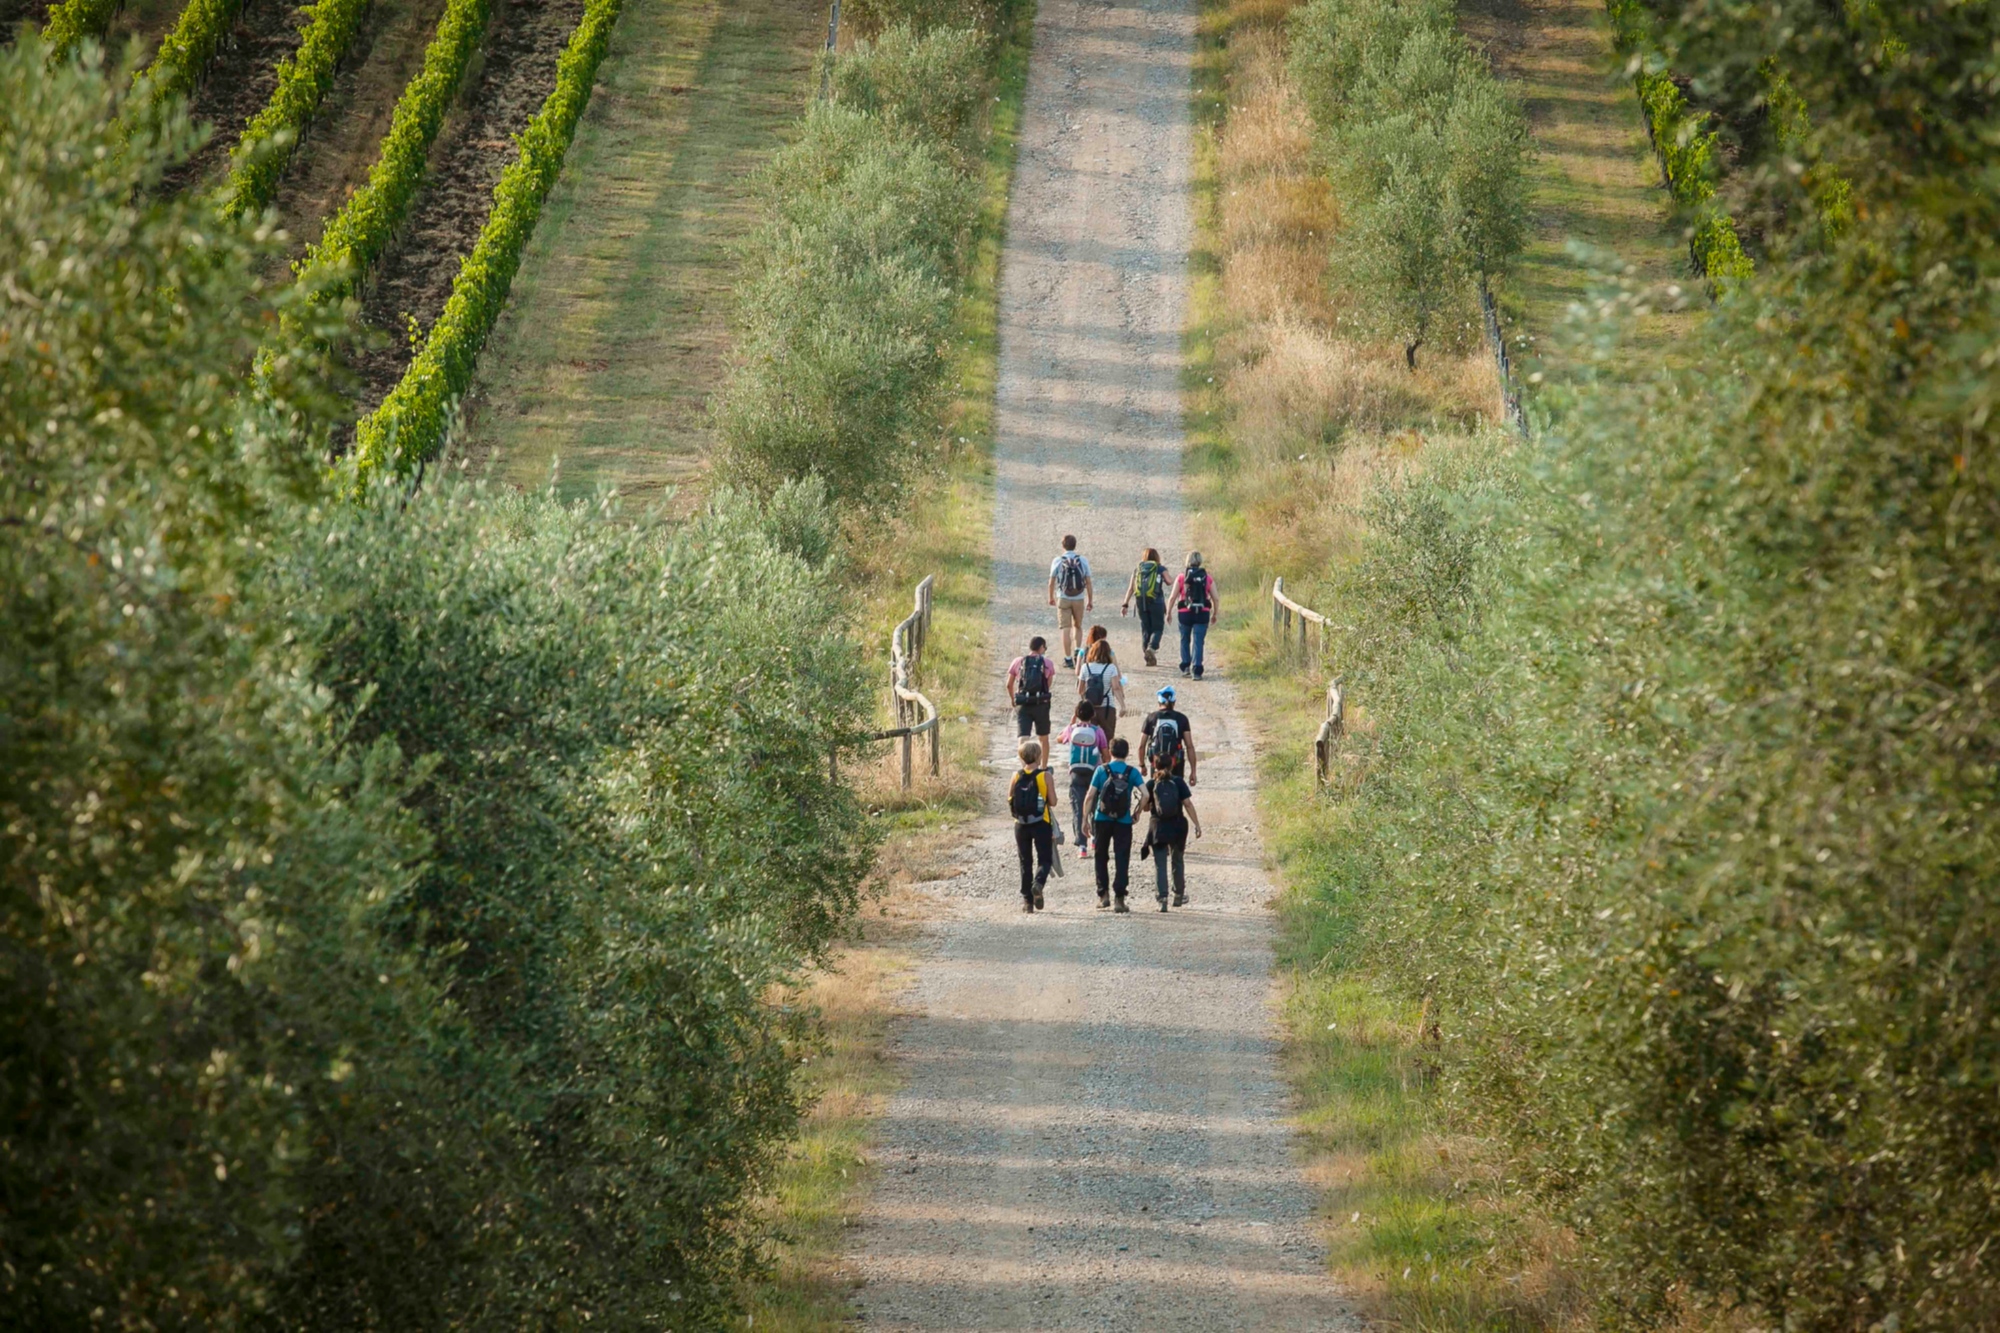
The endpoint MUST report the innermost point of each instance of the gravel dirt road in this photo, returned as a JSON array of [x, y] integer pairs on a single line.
[[1091, 1134]]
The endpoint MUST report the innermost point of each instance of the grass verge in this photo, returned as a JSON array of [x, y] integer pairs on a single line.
[[1594, 175], [619, 326], [946, 533]]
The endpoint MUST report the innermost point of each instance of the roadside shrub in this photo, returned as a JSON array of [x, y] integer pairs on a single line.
[[633, 841], [847, 314], [930, 84]]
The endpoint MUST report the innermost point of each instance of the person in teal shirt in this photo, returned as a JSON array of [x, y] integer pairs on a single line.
[[1113, 803]]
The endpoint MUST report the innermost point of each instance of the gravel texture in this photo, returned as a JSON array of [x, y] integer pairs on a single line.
[[1092, 1132]]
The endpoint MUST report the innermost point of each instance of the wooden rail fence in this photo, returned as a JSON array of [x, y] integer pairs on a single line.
[[1293, 626], [1293, 629], [915, 715]]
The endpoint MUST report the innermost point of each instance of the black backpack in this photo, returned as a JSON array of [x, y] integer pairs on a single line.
[[1095, 691], [1114, 798], [1165, 746], [1070, 580], [1167, 797], [1194, 589], [1026, 800], [1034, 686]]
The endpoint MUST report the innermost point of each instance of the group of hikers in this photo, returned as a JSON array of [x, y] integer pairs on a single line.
[[1108, 794]]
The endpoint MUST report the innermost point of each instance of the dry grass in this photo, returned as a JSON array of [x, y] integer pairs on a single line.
[[1308, 413]]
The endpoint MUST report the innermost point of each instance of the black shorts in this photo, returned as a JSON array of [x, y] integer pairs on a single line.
[[1031, 718]]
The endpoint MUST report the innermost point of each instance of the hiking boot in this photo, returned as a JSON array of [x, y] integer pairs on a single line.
[[1180, 900], [1027, 904], [1163, 904], [1039, 904], [1152, 658], [1121, 905], [1104, 898], [1184, 669]]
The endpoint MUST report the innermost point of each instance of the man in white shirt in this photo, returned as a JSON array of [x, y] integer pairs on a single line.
[[1071, 594]]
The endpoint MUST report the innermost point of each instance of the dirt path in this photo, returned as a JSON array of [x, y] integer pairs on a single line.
[[1091, 1134]]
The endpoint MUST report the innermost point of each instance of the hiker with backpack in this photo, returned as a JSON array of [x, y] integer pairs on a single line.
[[1101, 684], [1113, 799], [1148, 589], [1196, 606], [1168, 802], [1088, 747], [1169, 738], [1031, 799], [1029, 688], [1071, 593]]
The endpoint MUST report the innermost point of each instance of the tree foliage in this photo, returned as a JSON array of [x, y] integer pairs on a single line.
[[1428, 155], [1678, 810], [399, 896]]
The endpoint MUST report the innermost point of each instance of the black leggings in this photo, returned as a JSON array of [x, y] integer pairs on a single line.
[[1034, 842], [1114, 838]]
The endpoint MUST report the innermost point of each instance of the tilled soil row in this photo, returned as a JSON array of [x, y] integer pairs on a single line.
[[239, 82], [526, 39]]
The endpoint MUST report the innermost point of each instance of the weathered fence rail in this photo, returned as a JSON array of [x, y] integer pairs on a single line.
[[916, 715], [1292, 628], [1326, 745]]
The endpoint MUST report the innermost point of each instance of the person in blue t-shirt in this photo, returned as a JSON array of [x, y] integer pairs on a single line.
[[1114, 799]]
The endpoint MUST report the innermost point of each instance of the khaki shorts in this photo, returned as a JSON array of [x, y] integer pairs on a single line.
[[1069, 611]]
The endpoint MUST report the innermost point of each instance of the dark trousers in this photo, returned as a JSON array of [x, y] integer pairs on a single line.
[[1194, 630], [1079, 792], [1152, 621], [1174, 849], [1114, 837], [1034, 843], [1031, 718]]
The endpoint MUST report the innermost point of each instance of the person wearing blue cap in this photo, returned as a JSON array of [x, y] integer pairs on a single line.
[[1169, 738]]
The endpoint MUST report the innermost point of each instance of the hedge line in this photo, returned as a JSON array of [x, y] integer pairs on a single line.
[[356, 236], [186, 51], [303, 80], [72, 21], [1686, 151], [411, 422]]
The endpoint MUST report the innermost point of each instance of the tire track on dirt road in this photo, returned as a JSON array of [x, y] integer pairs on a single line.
[[1092, 1132]]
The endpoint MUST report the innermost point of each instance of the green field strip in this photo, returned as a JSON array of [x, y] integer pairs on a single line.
[[619, 325], [303, 80], [1594, 176]]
